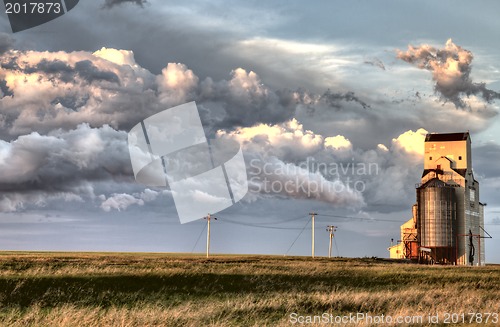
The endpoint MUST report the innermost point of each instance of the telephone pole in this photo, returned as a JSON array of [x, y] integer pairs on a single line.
[[331, 229], [313, 214], [208, 218]]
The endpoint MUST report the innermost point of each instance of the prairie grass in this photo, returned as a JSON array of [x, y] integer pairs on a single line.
[[109, 289]]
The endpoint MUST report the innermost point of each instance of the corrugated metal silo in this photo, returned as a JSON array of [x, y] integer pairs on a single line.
[[437, 220]]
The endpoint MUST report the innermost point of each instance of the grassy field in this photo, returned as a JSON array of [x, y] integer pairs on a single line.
[[107, 289]]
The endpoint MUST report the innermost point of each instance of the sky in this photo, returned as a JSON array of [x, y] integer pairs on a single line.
[[351, 87]]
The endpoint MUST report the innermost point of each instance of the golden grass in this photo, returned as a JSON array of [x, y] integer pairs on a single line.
[[105, 289]]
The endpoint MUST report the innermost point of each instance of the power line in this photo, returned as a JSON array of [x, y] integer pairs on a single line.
[[274, 222], [264, 225], [359, 218], [303, 228], [204, 226], [336, 247], [299, 217]]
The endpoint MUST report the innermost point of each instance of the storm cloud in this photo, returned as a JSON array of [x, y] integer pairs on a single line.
[[61, 164], [47, 90], [329, 168], [65, 118]]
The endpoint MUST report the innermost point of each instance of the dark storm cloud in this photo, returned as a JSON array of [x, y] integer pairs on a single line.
[[244, 100], [270, 106], [61, 165], [6, 42], [84, 69], [451, 68], [45, 161], [71, 101], [108, 4], [50, 67], [4, 89], [90, 73], [9, 63]]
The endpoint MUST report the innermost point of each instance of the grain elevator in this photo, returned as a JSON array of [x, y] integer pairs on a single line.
[[447, 225]]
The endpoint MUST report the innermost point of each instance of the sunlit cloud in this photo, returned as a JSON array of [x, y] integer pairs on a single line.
[[451, 68], [411, 142]]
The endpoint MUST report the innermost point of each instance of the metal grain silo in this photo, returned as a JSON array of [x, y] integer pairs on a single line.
[[437, 221]]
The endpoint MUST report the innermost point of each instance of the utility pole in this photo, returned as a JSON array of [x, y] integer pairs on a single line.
[[313, 214], [208, 218], [331, 229]]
